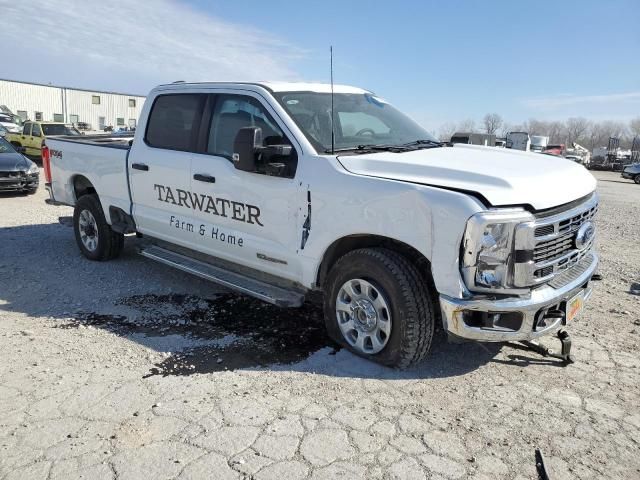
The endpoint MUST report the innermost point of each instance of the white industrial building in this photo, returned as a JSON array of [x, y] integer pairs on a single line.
[[41, 102]]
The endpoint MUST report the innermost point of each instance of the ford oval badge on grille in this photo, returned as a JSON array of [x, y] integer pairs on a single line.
[[585, 235]]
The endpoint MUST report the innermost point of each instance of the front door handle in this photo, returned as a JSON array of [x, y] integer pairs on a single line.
[[140, 166], [204, 178]]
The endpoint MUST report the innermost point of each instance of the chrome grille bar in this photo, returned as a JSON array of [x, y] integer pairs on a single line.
[[554, 240]]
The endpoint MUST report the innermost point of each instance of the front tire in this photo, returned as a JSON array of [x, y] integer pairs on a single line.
[[378, 305], [637, 179], [94, 236]]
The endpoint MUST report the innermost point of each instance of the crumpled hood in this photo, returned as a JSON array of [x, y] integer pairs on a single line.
[[502, 176]]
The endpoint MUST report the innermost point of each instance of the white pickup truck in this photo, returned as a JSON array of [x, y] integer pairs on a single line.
[[279, 190]]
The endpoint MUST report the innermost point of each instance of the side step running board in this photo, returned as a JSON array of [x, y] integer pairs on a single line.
[[261, 290]]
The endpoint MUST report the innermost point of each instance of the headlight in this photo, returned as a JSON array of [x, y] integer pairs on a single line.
[[493, 255], [489, 249], [33, 170]]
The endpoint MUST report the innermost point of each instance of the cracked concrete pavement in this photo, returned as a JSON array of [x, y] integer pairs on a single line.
[[130, 370]]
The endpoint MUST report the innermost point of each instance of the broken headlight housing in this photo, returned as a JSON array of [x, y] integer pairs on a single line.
[[488, 250]]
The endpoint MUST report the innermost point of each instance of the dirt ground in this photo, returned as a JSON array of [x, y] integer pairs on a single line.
[[131, 370]]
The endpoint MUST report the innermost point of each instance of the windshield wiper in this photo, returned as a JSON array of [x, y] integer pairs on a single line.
[[424, 144], [372, 148], [405, 147]]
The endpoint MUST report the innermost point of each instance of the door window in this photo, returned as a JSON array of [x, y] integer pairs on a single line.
[[233, 112], [174, 121], [36, 132], [26, 130]]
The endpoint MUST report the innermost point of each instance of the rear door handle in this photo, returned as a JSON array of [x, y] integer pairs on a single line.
[[140, 166], [204, 178]]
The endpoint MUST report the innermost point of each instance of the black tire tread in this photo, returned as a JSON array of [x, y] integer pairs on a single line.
[[419, 324], [113, 242]]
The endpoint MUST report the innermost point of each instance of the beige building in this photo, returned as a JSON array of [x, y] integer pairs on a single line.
[[41, 102]]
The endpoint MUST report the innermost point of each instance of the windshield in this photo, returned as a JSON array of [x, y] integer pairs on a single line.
[[360, 119], [5, 147], [58, 129]]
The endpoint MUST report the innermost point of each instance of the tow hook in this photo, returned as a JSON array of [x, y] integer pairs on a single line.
[[565, 352]]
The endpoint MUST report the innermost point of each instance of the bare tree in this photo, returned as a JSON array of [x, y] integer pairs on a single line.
[[596, 137], [468, 125], [555, 132], [504, 129], [634, 127], [446, 131], [492, 123], [599, 133], [576, 128], [538, 127]]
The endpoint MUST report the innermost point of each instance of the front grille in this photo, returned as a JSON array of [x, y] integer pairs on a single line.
[[12, 180], [569, 275], [555, 240]]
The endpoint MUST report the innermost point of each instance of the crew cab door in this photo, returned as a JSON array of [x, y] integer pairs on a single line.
[[25, 138], [250, 218], [34, 142], [159, 166]]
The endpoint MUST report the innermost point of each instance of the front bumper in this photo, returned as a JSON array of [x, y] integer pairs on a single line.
[[629, 175], [18, 182], [540, 300]]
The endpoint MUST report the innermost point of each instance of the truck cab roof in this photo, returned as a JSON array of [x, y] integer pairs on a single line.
[[278, 86]]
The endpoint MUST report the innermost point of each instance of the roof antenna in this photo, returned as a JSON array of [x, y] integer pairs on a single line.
[[333, 135]]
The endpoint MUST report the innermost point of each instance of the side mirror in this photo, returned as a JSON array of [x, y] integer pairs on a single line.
[[247, 144]]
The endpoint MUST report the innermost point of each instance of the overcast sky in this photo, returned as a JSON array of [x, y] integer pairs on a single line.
[[438, 61]]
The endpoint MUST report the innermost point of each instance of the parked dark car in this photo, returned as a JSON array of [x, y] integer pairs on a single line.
[[83, 126], [17, 172], [632, 172]]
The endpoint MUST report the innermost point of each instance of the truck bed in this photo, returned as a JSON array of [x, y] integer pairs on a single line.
[[122, 141], [98, 160]]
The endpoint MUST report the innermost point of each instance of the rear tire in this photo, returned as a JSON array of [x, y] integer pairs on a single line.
[[94, 236], [400, 297], [637, 179]]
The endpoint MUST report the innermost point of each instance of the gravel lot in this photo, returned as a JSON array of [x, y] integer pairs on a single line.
[[131, 370]]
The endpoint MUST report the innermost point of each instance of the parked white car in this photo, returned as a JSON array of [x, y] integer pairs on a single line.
[[248, 185], [7, 122]]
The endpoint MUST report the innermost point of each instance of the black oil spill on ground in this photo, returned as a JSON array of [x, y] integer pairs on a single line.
[[260, 334]]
